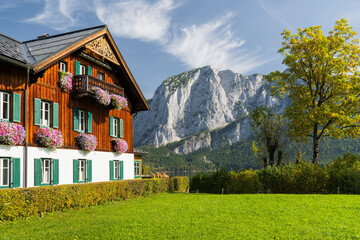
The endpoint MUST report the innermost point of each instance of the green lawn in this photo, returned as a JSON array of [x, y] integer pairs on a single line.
[[201, 216]]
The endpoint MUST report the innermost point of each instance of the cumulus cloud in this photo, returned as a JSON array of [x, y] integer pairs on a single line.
[[213, 44], [137, 19]]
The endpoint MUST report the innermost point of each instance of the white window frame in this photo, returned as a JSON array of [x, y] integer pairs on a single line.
[[115, 129], [136, 168], [2, 168], [62, 66], [82, 170], [116, 169], [82, 121], [45, 171], [45, 113], [100, 76], [2, 103], [82, 69]]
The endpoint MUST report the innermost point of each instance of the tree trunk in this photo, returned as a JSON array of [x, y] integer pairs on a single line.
[[280, 153], [265, 161], [271, 157], [316, 146]]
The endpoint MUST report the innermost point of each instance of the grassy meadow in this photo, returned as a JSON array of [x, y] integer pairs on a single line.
[[201, 216]]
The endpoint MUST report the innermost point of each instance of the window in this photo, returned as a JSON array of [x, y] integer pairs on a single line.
[[116, 170], [42, 111], [82, 69], [4, 106], [100, 76], [137, 169], [4, 173], [46, 171], [80, 119], [62, 66], [82, 169], [116, 127], [45, 114]]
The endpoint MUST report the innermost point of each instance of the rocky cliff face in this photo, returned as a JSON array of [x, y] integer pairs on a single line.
[[202, 108]]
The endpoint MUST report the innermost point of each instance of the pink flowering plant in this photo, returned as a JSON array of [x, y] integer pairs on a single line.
[[118, 101], [102, 96], [65, 81], [87, 142], [120, 145], [49, 137], [11, 133]]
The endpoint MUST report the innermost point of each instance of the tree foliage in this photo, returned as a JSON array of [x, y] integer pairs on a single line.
[[322, 81]]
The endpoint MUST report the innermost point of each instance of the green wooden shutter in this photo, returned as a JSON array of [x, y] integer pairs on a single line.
[[76, 170], [16, 107], [37, 174], [111, 126], [55, 115], [76, 119], [111, 170], [77, 68], [89, 127], [121, 128], [89, 70], [89, 170], [121, 170], [37, 111], [56, 171], [16, 172]]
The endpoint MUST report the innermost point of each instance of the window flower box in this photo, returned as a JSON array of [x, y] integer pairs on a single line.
[[119, 145], [87, 142], [102, 96], [118, 102], [11, 133], [65, 81], [49, 137]]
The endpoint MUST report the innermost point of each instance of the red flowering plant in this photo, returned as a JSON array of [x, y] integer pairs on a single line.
[[65, 81], [49, 137], [120, 145], [118, 101], [102, 96], [11, 133], [87, 142]]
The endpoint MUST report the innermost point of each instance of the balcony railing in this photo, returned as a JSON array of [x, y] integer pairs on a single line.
[[83, 84]]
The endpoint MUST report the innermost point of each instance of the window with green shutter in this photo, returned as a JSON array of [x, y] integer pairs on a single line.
[[116, 170], [16, 172], [89, 170], [116, 127], [46, 171], [77, 68], [137, 169], [90, 70], [37, 171], [121, 135], [75, 170], [121, 170], [111, 170], [89, 122], [82, 170], [4, 106], [55, 171], [111, 122], [37, 111], [16, 107], [55, 115], [76, 119]]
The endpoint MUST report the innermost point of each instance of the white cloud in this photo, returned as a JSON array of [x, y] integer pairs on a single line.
[[213, 44], [137, 19]]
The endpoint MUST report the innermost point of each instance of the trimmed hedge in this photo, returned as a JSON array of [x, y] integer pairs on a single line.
[[25, 202]]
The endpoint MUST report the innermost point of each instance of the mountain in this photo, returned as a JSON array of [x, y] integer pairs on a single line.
[[203, 108]]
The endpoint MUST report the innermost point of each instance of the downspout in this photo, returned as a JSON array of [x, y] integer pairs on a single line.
[[26, 126]]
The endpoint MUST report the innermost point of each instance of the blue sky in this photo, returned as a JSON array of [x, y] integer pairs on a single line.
[[162, 38]]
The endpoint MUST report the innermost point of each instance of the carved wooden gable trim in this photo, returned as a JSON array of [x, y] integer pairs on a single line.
[[102, 47]]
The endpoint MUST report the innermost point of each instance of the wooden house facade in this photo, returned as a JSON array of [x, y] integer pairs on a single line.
[[30, 96]]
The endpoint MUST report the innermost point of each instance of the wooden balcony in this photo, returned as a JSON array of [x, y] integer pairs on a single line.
[[83, 84]]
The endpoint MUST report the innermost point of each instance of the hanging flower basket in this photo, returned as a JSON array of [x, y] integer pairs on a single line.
[[87, 142], [120, 145], [102, 96], [49, 137], [118, 101], [11, 133], [65, 81]]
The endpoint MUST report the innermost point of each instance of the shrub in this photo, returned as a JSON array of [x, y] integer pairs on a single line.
[[87, 142], [102, 96], [118, 102], [243, 182], [24, 202], [11, 133], [119, 145], [65, 81], [49, 137]]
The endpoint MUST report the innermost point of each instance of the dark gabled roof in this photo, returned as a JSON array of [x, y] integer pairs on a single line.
[[42, 48], [12, 48]]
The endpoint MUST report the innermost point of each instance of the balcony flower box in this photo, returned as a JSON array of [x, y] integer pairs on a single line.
[[87, 142], [65, 81], [118, 102], [11, 133], [119, 145], [49, 137], [101, 96]]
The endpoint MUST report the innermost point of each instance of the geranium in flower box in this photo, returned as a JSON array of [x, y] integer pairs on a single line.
[[65, 81], [87, 142], [102, 96], [118, 101], [49, 137], [119, 145], [11, 133]]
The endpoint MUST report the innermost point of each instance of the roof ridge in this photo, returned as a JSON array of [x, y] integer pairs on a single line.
[[11, 38], [66, 33]]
